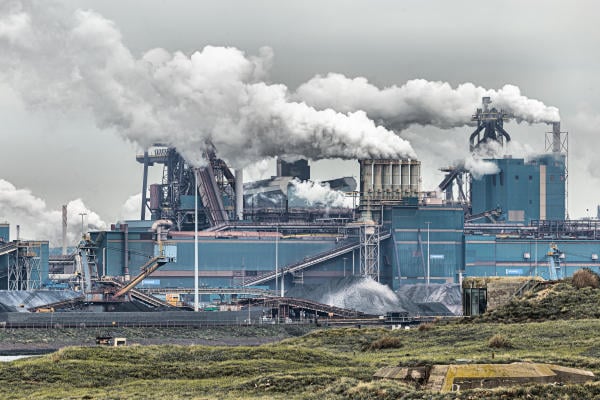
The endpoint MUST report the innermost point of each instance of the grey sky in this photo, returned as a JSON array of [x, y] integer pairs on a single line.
[[547, 48]]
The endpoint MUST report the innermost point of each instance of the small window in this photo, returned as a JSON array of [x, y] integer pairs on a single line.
[[516, 177], [530, 177], [551, 178]]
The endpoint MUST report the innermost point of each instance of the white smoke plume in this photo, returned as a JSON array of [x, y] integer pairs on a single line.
[[418, 101], [479, 167], [262, 169], [217, 95], [38, 222], [317, 193], [131, 209]]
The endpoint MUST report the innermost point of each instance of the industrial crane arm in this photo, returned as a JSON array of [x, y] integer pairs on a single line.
[[152, 265]]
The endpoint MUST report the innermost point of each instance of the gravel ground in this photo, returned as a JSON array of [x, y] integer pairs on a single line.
[[39, 341]]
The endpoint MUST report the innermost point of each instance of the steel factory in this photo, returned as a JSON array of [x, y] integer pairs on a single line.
[[265, 237]]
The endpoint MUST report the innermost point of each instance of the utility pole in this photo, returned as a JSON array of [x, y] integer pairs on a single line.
[[196, 241], [428, 257], [82, 215], [276, 258]]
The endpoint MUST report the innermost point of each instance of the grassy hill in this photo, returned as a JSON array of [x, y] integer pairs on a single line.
[[559, 301], [324, 364]]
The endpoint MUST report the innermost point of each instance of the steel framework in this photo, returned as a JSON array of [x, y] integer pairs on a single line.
[[369, 251], [24, 267]]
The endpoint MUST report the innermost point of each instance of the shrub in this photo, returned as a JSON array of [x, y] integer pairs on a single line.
[[427, 326], [499, 341], [586, 278], [387, 342]]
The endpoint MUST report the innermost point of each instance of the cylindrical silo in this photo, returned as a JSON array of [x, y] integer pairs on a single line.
[[387, 178], [377, 175], [404, 173], [396, 178], [366, 178], [415, 174]]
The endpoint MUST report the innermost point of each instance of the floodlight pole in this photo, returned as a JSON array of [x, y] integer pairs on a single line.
[[428, 257], [196, 241]]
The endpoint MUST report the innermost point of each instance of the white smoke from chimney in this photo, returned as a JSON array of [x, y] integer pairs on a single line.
[[479, 167], [38, 222], [418, 101], [216, 95], [317, 193], [131, 209]]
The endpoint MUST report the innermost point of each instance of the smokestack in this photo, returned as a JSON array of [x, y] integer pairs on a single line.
[[556, 142], [18, 232], [239, 193], [64, 230]]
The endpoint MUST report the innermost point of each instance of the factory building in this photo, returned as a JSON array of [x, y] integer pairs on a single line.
[[523, 190], [23, 263], [265, 235]]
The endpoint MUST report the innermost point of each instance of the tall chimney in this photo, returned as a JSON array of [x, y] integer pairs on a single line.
[[64, 230], [556, 144], [239, 194]]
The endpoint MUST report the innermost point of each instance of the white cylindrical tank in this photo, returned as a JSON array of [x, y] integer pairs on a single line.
[[404, 172], [396, 177], [387, 177], [377, 175], [415, 176]]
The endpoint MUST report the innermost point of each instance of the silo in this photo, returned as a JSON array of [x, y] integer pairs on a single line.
[[415, 174], [396, 179], [377, 175], [387, 178], [405, 175]]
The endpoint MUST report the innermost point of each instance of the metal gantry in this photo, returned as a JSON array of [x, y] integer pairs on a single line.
[[24, 266], [369, 250]]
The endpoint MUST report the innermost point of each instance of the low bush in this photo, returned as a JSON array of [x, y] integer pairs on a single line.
[[427, 326], [586, 278], [387, 342], [499, 341]]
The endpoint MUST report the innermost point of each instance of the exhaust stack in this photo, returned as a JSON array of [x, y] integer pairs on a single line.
[[64, 230]]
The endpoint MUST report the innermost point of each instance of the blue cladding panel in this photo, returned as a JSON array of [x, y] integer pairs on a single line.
[[5, 232], [491, 256], [517, 188], [409, 254]]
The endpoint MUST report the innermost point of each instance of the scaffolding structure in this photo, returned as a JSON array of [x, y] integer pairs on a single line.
[[369, 251], [24, 266]]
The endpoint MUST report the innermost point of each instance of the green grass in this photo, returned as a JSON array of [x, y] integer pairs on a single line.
[[323, 364], [560, 301]]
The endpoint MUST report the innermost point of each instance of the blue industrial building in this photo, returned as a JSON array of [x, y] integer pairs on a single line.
[[395, 233], [523, 190], [23, 263]]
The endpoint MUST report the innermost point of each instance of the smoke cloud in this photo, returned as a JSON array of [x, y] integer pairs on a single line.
[[479, 167], [38, 222], [419, 101], [216, 96], [131, 209], [317, 193]]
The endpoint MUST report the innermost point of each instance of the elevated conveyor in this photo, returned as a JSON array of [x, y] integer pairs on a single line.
[[308, 262], [210, 196], [7, 248], [152, 265], [307, 305]]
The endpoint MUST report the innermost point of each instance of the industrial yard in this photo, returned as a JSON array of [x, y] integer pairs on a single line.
[[317, 201]]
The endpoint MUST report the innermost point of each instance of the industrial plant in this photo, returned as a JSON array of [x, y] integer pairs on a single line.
[[266, 238]]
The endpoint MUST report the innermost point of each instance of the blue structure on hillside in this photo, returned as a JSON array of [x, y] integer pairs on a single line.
[[523, 190]]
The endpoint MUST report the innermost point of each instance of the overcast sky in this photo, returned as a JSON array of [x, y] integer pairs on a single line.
[[547, 48]]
